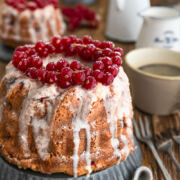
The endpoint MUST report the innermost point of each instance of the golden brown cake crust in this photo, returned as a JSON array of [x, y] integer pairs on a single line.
[[15, 88]]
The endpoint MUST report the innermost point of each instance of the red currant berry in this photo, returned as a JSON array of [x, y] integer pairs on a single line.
[[51, 66], [120, 50], [66, 74], [40, 46], [78, 49], [85, 55], [51, 77], [89, 15], [56, 42], [37, 62], [106, 60], [17, 57], [98, 75], [114, 69], [72, 38], [64, 84], [107, 44], [79, 41], [31, 51], [96, 43], [41, 75], [107, 79], [90, 83], [117, 60], [75, 65], [61, 64], [78, 77], [87, 71], [23, 65], [70, 51], [87, 39], [97, 54], [32, 73], [65, 41], [51, 48], [89, 51], [107, 52], [115, 53], [98, 65], [21, 48], [44, 53]]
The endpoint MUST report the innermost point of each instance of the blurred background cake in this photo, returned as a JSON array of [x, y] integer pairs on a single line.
[[26, 22]]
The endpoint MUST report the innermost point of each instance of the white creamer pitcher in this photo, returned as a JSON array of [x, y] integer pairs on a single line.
[[123, 22], [161, 28]]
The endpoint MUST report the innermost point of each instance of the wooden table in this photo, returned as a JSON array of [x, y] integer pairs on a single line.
[[158, 124]]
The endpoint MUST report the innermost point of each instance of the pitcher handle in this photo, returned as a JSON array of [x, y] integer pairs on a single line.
[[120, 4]]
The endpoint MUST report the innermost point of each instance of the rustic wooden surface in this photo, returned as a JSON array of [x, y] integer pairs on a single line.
[[158, 124]]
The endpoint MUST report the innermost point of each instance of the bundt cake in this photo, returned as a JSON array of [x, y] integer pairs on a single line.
[[27, 21], [65, 106]]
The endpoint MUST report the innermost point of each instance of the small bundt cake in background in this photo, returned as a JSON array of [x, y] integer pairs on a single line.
[[65, 106], [27, 21]]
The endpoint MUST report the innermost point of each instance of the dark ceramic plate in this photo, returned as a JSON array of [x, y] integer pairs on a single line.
[[6, 52], [123, 171]]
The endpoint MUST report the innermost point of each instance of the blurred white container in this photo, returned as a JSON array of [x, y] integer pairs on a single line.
[[161, 28], [123, 22]]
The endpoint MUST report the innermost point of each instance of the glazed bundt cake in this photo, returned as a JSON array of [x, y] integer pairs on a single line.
[[65, 106], [27, 21]]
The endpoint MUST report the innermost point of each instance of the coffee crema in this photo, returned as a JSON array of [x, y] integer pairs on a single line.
[[161, 69]]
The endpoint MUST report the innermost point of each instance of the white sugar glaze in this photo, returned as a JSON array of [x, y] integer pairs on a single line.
[[117, 103], [40, 16]]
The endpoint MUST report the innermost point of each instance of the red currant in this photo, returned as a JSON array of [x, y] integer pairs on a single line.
[[51, 66], [117, 60], [87, 39], [120, 50], [90, 83], [107, 79], [78, 77], [75, 65], [98, 75], [66, 74], [87, 71], [113, 70], [61, 64], [17, 57], [23, 65], [32, 73], [64, 84], [106, 60], [107, 44], [51, 48], [107, 52], [41, 75], [98, 65], [51, 77]]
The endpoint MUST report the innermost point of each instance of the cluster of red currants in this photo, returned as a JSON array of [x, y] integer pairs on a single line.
[[80, 15], [105, 57], [32, 5]]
